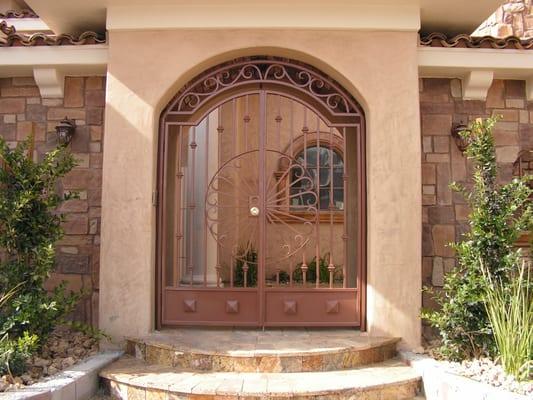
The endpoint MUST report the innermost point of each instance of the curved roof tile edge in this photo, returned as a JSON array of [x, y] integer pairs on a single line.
[[14, 39], [437, 39], [18, 14]]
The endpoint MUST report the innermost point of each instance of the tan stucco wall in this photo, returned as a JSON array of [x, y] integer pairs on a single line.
[[147, 68]]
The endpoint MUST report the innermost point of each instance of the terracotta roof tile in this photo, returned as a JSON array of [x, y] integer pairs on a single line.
[[10, 38], [466, 41], [18, 14]]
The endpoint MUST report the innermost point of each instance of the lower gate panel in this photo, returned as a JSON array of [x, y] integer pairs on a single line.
[[211, 307], [311, 307]]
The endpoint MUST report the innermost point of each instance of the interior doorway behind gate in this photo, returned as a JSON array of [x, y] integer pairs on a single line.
[[261, 212]]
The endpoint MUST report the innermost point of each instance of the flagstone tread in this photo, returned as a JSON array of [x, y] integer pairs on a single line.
[[129, 377], [262, 351], [243, 343]]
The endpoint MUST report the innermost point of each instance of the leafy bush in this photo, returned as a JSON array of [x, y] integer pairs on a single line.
[[510, 311], [14, 353], [29, 228], [499, 213]]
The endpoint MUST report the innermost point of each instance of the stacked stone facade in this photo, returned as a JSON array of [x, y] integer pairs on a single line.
[[23, 111], [513, 18], [445, 212]]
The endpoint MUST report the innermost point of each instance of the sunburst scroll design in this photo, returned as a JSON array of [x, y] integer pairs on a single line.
[[232, 199]]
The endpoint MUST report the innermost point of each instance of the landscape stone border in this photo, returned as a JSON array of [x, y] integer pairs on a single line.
[[79, 382], [439, 384]]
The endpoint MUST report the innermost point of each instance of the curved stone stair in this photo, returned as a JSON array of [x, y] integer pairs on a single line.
[[258, 351], [231, 365]]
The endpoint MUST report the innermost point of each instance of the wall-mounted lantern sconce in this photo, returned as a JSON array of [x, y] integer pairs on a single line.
[[65, 130], [460, 142]]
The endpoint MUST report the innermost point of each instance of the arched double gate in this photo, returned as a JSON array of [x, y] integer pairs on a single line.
[[261, 209]]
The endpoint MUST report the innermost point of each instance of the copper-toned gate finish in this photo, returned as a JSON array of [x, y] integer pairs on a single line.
[[261, 174]]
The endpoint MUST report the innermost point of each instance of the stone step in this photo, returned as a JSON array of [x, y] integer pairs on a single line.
[[130, 378], [262, 351]]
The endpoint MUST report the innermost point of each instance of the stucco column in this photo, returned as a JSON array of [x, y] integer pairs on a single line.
[[128, 217]]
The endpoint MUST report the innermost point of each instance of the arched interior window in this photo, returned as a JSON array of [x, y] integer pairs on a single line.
[[325, 167]]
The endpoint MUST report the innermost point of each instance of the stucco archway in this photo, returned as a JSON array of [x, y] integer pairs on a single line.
[[137, 91]]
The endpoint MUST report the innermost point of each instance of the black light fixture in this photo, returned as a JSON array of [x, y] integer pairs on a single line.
[[460, 142], [65, 130]]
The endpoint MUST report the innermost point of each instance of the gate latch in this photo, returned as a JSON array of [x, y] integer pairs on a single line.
[[253, 203]]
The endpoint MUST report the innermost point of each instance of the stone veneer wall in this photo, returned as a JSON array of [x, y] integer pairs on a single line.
[[23, 110], [512, 18], [445, 213]]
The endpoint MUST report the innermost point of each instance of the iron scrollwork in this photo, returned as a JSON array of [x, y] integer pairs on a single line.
[[289, 74]]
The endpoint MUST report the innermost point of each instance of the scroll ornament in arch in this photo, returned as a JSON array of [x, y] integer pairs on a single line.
[[264, 71]]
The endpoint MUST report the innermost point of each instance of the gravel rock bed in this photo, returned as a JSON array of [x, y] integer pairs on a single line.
[[487, 371], [64, 348]]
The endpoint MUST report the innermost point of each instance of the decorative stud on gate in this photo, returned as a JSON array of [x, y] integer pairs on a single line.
[[189, 305], [332, 306], [232, 306], [290, 307]]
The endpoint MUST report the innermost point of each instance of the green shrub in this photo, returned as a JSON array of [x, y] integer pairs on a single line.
[[510, 311], [14, 353], [29, 228], [499, 213]]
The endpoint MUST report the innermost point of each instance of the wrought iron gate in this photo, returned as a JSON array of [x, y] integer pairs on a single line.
[[262, 198]]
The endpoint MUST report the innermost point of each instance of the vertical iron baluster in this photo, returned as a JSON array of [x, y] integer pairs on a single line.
[[206, 156], [234, 138], [331, 266], [246, 120], [261, 260], [344, 207], [192, 204], [291, 145], [245, 271], [317, 244], [292, 128], [220, 131], [278, 123], [236, 189], [305, 131], [360, 207], [164, 243], [178, 228], [290, 270], [304, 269]]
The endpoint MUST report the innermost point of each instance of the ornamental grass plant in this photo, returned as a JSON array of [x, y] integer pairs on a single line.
[[510, 311]]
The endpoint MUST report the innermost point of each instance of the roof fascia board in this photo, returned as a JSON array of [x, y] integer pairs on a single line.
[[344, 15], [54, 55], [447, 62], [476, 67], [68, 60]]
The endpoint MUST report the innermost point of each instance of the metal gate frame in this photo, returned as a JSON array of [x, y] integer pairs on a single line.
[[258, 75]]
